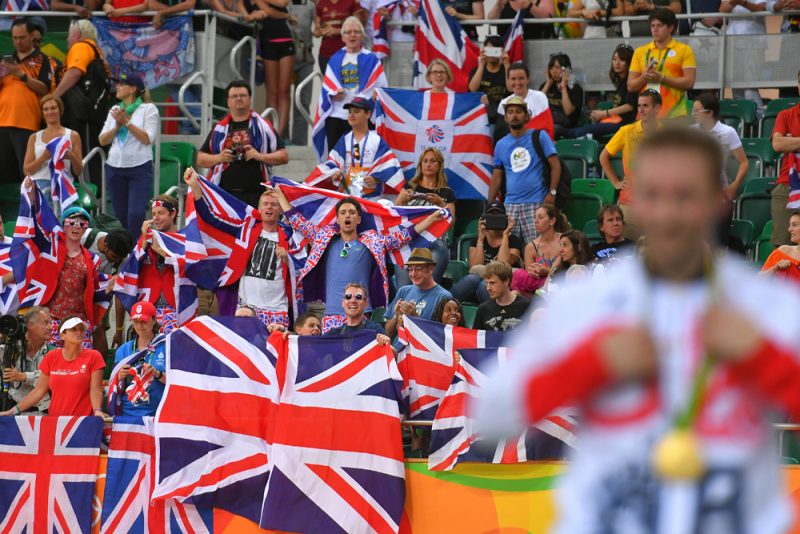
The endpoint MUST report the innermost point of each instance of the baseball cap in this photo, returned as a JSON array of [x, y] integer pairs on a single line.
[[495, 206], [143, 310], [72, 322], [359, 102], [130, 79], [75, 211], [515, 100]]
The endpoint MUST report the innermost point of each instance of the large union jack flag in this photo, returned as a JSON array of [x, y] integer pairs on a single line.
[[139, 386], [337, 460], [48, 469], [130, 479], [427, 360], [211, 426], [454, 438], [62, 189], [318, 206], [380, 33], [440, 36], [456, 124]]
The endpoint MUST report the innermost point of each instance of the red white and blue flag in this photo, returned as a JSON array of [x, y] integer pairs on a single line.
[[27, 5], [454, 438], [513, 44], [130, 480], [380, 32], [137, 388], [8, 292], [337, 459], [133, 284], [213, 422], [61, 183], [794, 180], [48, 470], [318, 206], [427, 361], [454, 123], [370, 77], [440, 36]]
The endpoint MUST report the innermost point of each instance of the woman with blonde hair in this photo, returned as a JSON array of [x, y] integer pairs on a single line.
[[39, 154], [439, 76], [131, 129], [429, 187]]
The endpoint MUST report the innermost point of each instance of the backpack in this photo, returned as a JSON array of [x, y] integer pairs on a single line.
[[564, 188], [91, 98]]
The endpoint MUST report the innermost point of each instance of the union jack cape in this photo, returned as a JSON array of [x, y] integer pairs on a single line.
[[513, 44], [427, 361], [383, 165], [318, 207], [262, 137], [454, 123], [370, 77], [794, 180], [48, 469], [440, 36], [130, 479], [38, 255], [229, 229], [62, 189], [212, 425], [454, 438], [114, 385], [140, 280], [337, 460]]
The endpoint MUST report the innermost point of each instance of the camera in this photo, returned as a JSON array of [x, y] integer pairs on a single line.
[[12, 347], [495, 221]]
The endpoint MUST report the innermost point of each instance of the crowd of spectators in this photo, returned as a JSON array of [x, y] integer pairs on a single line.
[[524, 248]]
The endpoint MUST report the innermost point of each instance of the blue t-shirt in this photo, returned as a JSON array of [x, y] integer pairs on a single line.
[[158, 359], [426, 300], [355, 266], [523, 168]]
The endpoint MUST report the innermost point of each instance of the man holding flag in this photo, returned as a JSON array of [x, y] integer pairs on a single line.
[[341, 255]]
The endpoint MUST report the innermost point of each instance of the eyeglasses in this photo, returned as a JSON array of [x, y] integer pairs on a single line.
[[701, 111], [444, 72], [416, 268], [352, 32], [351, 296], [345, 251], [236, 97], [76, 223]]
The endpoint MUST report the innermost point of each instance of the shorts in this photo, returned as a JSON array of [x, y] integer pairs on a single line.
[[274, 51], [329, 322], [167, 319], [268, 317], [55, 337], [524, 215]]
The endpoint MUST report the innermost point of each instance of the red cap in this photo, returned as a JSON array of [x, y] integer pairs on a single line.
[[143, 310]]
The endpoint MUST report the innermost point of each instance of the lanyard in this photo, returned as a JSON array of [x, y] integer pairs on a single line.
[[361, 150], [663, 59]]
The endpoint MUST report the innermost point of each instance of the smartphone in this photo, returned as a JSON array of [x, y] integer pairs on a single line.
[[421, 196], [493, 51]]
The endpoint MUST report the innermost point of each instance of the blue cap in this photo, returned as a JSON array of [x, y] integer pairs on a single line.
[[75, 211], [132, 79], [359, 102]]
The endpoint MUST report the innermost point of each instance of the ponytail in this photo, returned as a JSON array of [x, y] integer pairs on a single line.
[[562, 224]]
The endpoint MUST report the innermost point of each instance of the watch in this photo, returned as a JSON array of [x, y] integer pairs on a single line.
[[553, 192], [24, 78]]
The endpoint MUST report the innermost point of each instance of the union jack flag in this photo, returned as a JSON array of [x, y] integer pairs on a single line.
[[427, 360], [318, 207], [132, 360], [380, 33], [212, 425], [133, 284], [8, 292], [370, 77], [62, 189], [456, 124], [337, 460], [440, 36], [48, 469], [513, 44], [130, 479], [376, 155], [454, 438], [27, 5], [794, 180]]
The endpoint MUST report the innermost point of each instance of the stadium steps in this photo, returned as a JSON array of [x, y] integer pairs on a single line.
[[302, 161]]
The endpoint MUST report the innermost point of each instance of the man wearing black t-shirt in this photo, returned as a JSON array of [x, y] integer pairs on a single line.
[[242, 148], [505, 310], [489, 77], [611, 223]]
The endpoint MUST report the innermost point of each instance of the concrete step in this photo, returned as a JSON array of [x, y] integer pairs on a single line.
[[302, 160]]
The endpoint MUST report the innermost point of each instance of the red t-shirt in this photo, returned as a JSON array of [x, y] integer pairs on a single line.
[[70, 381], [332, 13], [119, 4], [787, 123]]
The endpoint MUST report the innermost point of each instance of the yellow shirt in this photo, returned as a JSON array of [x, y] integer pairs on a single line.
[[80, 55], [625, 140], [670, 61]]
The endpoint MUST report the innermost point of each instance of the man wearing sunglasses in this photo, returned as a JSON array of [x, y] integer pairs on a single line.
[[355, 302]]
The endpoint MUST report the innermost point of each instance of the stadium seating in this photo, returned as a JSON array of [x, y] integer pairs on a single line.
[[616, 164], [469, 315], [582, 207], [378, 315], [742, 231], [462, 246], [764, 246], [771, 112], [759, 185], [456, 270], [170, 174], [184, 152], [579, 155], [741, 112], [754, 207], [592, 233], [602, 187], [761, 149]]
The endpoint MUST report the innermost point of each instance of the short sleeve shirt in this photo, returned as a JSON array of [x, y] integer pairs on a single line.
[[729, 141], [346, 262], [425, 299], [523, 168], [671, 61], [70, 381], [157, 357], [625, 141], [493, 85], [787, 123], [333, 14], [490, 252], [80, 55], [19, 105]]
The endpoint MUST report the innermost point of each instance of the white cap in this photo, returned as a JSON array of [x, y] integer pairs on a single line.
[[72, 322]]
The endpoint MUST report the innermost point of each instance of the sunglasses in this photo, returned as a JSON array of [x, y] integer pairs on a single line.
[[76, 223], [351, 296], [624, 46], [345, 251]]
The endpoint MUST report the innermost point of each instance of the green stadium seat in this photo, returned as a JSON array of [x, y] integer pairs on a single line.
[[185, 152], [602, 187], [592, 233], [86, 198], [759, 185], [467, 212], [766, 126], [604, 105], [585, 151], [469, 314], [9, 226], [455, 271], [734, 122], [764, 246], [743, 231], [754, 207], [582, 207], [616, 164], [776, 105], [378, 315], [743, 110], [170, 174], [761, 149], [462, 246]]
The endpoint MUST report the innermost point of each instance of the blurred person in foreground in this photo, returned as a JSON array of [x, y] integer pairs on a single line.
[[686, 325]]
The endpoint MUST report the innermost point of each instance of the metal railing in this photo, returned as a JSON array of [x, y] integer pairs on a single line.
[[298, 91], [271, 114], [95, 152]]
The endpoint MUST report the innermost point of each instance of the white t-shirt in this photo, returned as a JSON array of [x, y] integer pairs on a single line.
[[39, 146], [262, 284], [747, 26], [105, 266], [131, 152], [536, 100], [729, 141], [350, 82]]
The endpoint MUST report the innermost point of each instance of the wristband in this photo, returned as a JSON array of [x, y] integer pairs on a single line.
[[17, 411], [120, 329]]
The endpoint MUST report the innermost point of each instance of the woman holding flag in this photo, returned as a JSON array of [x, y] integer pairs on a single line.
[[41, 157]]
